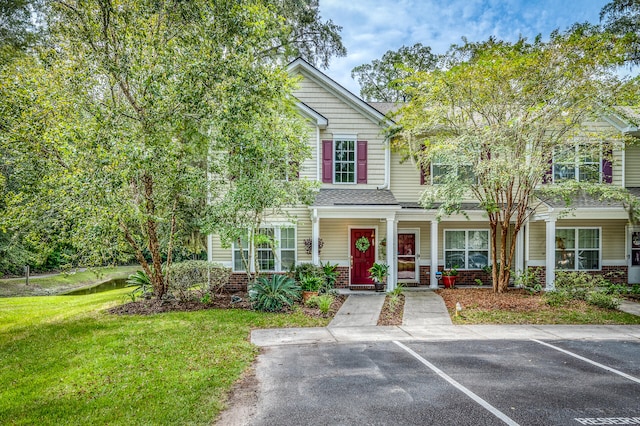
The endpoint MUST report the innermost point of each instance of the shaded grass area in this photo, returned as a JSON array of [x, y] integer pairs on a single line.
[[482, 306], [59, 283], [66, 361]]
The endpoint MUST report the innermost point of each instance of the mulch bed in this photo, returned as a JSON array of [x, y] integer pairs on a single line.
[[222, 301], [518, 300], [390, 316]]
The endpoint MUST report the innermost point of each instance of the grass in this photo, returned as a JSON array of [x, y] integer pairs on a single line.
[[54, 284], [66, 361], [574, 313]]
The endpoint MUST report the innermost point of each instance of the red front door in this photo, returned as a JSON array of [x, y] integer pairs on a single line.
[[362, 259]]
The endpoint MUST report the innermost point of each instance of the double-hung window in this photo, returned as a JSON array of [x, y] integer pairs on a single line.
[[466, 249], [581, 162], [275, 250], [440, 171], [344, 164], [578, 248]]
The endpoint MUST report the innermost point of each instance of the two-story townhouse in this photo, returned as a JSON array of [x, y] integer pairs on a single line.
[[367, 207]]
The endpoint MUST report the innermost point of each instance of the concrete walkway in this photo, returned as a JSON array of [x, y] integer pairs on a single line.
[[359, 310], [426, 318]]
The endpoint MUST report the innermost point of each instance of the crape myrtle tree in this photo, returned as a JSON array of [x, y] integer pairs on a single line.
[[494, 113], [119, 111], [622, 18]]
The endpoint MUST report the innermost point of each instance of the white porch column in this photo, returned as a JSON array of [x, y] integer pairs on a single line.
[[434, 254], [209, 248], [391, 254], [315, 234], [550, 259], [519, 267]]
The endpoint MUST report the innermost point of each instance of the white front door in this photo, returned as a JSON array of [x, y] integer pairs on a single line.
[[634, 258], [408, 248]]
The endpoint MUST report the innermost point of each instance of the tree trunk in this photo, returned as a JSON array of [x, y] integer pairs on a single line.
[[157, 278]]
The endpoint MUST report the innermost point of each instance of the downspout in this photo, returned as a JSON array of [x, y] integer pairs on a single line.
[[387, 166]]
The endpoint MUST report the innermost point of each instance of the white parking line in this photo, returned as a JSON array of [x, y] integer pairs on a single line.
[[597, 364], [493, 410]]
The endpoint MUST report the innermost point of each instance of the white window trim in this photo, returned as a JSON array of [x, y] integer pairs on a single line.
[[578, 249], [466, 249], [253, 253], [345, 138], [577, 164]]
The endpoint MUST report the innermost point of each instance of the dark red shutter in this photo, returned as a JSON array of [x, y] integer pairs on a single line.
[[548, 175], [362, 161], [423, 172], [607, 168], [422, 176], [327, 161]]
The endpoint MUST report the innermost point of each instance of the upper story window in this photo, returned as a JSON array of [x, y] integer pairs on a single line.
[[440, 170], [578, 248], [344, 161], [583, 163]]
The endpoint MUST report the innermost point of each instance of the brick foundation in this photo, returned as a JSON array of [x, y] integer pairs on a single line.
[[615, 274]]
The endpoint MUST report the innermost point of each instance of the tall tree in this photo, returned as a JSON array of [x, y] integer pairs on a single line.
[[622, 17], [381, 80], [124, 106], [494, 114]]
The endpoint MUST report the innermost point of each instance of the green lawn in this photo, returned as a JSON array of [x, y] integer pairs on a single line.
[[58, 283], [66, 361]]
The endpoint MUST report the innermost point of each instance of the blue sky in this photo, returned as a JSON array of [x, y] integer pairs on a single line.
[[371, 27]]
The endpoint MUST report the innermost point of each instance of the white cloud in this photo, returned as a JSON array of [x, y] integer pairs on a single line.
[[372, 27]]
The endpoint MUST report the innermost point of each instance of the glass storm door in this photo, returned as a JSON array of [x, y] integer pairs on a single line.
[[407, 259]]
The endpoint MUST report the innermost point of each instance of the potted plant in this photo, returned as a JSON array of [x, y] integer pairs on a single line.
[[449, 277], [378, 273], [310, 284]]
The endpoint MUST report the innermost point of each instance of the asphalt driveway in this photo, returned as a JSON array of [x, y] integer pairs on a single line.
[[483, 382]]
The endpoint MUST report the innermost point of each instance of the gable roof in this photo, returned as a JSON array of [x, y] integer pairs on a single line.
[[309, 71]]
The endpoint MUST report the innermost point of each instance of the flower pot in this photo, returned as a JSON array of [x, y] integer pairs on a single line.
[[306, 295], [449, 281], [379, 286]]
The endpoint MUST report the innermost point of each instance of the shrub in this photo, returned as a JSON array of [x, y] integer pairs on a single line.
[[312, 302], [330, 277], [603, 300], [528, 280], [324, 303], [311, 283], [593, 289], [143, 288], [191, 275], [273, 294], [305, 270]]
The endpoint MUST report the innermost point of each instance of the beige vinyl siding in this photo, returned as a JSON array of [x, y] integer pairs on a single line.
[[632, 169], [599, 129], [309, 168], [220, 254], [405, 179], [613, 235], [344, 120]]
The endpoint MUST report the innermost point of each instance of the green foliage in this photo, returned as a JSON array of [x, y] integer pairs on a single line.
[[306, 269], [622, 17], [492, 114], [311, 283], [393, 296], [379, 272], [397, 291], [451, 272], [324, 303], [528, 280], [330, 275], [593, 289], [381, 79], [143, 287], [197, 276], [273, 294]]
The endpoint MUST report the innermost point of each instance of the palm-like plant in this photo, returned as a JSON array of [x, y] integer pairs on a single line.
[[273, 294]]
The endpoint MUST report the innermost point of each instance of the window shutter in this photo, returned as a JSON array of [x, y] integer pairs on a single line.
[[607, 167], [327, 161], [362, 161], [424, 172], [548, 175]]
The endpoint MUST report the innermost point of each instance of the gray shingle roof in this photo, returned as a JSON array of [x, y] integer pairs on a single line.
[[355, 197], [582, 200]]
